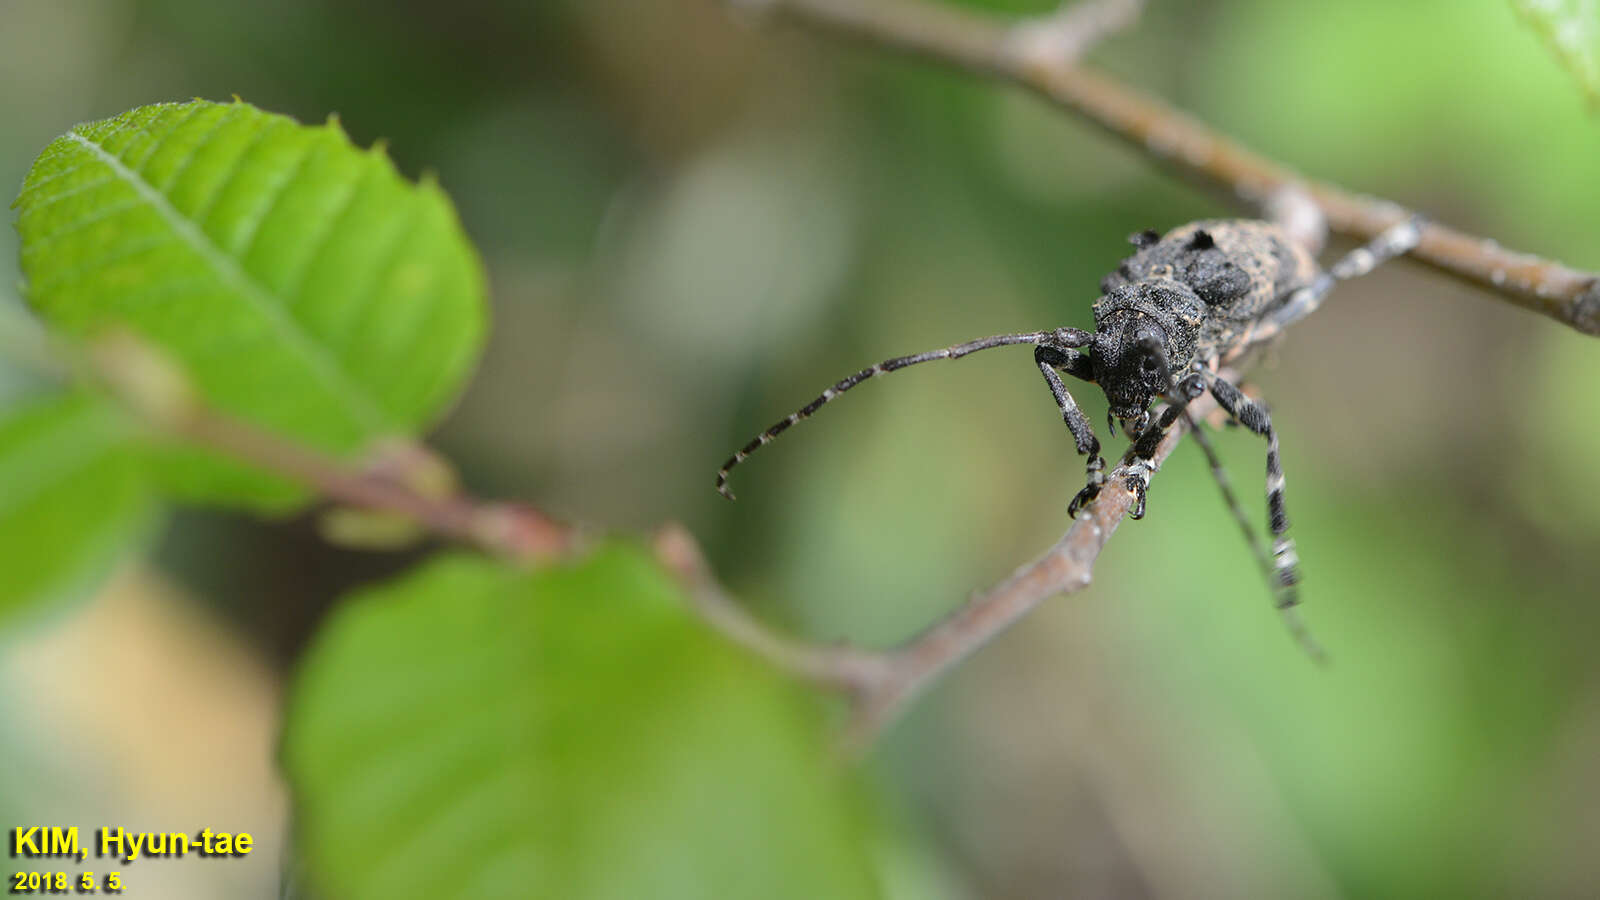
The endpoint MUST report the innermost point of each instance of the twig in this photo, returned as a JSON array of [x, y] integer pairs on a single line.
[[986, 45], [1065, 568], [506, 529], [881, 683], [1072, 30], [845, 668], [151, 385]]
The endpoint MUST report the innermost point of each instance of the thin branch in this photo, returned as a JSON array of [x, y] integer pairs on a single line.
[[1065, 568], [881, 683], [845, 668], [506, 529], [1072, 30], [987, 46], [152, 386]]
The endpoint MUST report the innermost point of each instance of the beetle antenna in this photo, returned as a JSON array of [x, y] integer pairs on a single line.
[[889, 365]]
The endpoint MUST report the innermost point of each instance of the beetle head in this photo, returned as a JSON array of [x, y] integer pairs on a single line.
[[1145, 332]]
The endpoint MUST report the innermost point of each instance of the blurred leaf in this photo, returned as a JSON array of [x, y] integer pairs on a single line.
[[1571, 29], [479, 730], [72, 499], [301, 282]]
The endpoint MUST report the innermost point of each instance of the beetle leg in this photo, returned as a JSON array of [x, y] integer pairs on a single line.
[[1052, 360], [1393, 241]]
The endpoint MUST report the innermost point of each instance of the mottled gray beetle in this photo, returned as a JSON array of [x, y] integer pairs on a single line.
[[1186, 304]]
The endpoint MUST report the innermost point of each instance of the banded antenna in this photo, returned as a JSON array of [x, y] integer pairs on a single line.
[[844, 384]]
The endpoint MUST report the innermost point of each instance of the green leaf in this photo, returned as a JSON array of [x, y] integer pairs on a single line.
[[301, 282], [476, 730], [1571, 29], [72, 501]]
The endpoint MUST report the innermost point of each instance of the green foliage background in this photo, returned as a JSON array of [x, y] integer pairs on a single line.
[[689, 226]]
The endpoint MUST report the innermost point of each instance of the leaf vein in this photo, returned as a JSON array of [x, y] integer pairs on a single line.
[[246, 239], [57, 176], [54, 235], [65, 195], [194, 153], [390, 256], [158, 140], [361, 404], [127, 251], [295, 283]]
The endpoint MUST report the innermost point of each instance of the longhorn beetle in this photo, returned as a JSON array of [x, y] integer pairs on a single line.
[[1185, 304]]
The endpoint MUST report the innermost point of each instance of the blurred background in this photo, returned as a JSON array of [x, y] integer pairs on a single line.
[[692, 225]]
